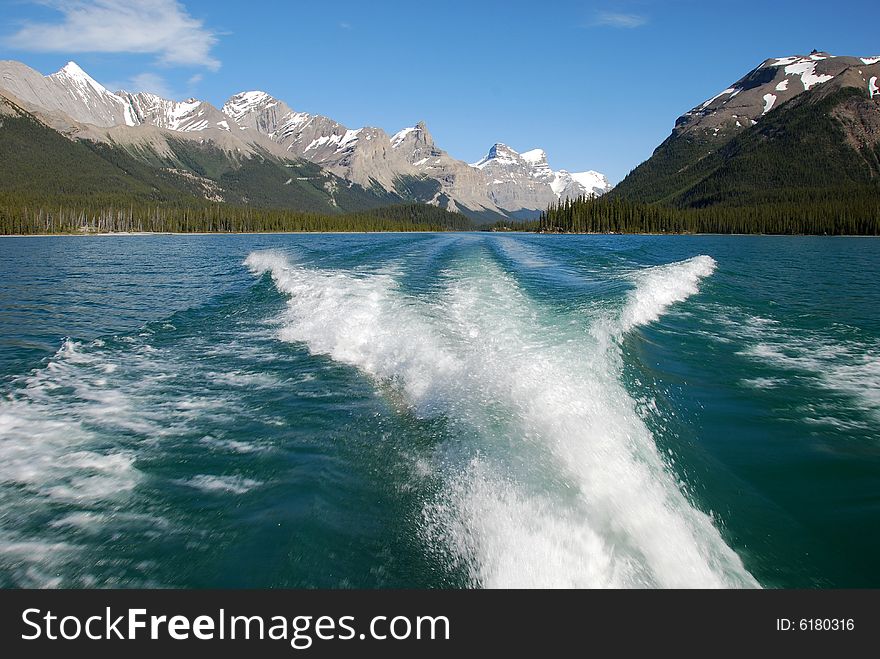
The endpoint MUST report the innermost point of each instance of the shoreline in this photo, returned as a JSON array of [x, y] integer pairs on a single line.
[[130, 234]]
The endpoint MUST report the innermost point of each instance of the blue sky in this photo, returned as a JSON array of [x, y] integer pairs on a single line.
[[598, 85]]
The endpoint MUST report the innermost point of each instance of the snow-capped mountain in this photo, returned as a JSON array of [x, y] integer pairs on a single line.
[[70, 91], [74, 93], [183, 116], [408, 163], [527, 179], [771, 84], [367, 156]]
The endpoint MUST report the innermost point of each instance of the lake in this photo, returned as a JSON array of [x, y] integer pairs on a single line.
[[439, 410]]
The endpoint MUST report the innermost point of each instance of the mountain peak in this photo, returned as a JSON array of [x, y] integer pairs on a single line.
[[773, 111], [501, 150], [252, 96], [72, 71], [764, 89], [246, 102], [418, 133], [499, 153], [526, 178]]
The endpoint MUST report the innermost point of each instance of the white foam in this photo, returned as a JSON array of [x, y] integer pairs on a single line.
[[244, 379], [763, 383], [560, 483], [47, 450], [222, 484], [83, 521], [70, 435], [232, 445], [825, 359], [660, 287], [850, 369], [522, 254]]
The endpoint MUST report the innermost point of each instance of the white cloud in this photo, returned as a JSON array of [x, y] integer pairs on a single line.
[[150, 82], [196, 79], [345, 26], [613, 19], [160, 27]]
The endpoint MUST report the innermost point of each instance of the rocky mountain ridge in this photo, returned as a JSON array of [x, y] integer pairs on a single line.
[[407, 164]]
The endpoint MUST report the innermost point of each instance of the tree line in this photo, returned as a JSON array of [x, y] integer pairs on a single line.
[[817, 212], [25, 217]]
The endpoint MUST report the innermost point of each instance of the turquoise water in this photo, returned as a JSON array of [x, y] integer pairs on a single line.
[[439, 410]]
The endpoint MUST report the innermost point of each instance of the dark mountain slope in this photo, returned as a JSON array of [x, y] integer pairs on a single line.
[[821, 142]]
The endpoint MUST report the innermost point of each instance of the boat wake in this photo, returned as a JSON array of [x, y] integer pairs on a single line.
[[550, 476]]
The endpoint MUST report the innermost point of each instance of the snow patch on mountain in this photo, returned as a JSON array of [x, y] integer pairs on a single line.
[[535, 156], [348, 139], [807, 72]]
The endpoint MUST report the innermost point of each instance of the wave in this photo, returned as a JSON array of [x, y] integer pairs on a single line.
[[52, 457], [659, 287], [72, 434], [845, 368], [839, 360], [551, 478]]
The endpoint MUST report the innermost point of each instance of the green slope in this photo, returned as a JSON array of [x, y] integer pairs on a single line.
[[38, 163], [265, 181]]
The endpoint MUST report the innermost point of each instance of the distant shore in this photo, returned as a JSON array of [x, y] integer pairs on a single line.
[[305, 233], [213, 233]]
